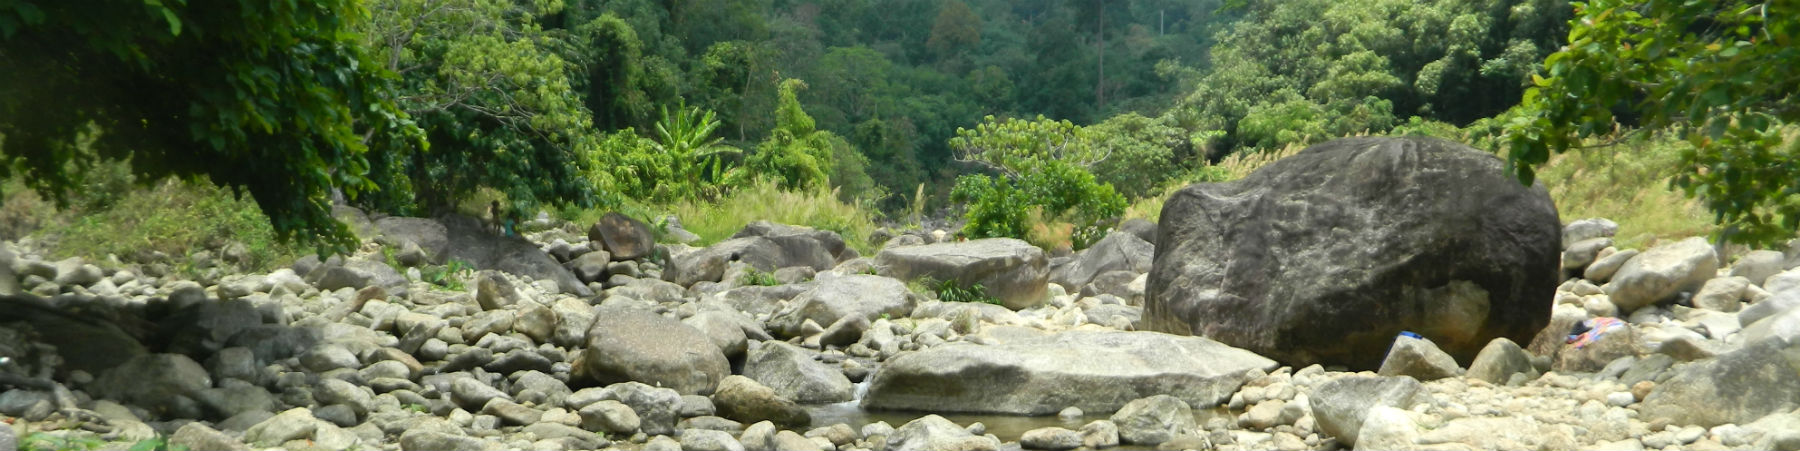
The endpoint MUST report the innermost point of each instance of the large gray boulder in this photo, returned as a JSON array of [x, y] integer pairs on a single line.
[[357, 274], [1777, 316], [793, 374], [857, 295], [657, 408], [1012, 270], [1758, 265], [1095, 371], [725, 329], [1736, 388], [1418, 358], [708, 264], [86, 341], [622, 237], [1325, 256], [1660, 273], [1499, 360], [165, 384], [203, 328], [1153, 420], [466, 239], [626, 344], [1590, 228], [428, 234], [802, 246], [742, 399], [1341, 404], [1119, 251], [9, 281], [198, 436]]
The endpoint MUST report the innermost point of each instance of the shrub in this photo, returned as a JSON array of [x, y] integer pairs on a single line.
[[1141, 153], [765, 200], [756, 277], [951, 291], [999, 207], [175, 218]]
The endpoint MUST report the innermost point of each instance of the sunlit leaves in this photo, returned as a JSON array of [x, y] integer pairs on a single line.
[[1015, 146], [1715, 72]]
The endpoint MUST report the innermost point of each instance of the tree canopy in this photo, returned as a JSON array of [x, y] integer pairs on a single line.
[[411, 106], [277, 99], [1716, 73], [495, 98]]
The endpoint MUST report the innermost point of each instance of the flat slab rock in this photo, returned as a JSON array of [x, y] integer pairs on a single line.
[[1095, 371]]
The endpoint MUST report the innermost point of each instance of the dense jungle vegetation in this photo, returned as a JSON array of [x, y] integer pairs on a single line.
[[1030, 119]]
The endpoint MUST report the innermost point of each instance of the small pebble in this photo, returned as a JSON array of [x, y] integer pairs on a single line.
[[1642, 389], [1620, 399], [1690, 434]]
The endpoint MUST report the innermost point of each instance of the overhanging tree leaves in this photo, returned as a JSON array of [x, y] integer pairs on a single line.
[[496, 102], [275, 98], [1718, 73]]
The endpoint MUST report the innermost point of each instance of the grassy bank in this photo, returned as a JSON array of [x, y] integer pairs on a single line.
[[1629, 184], [718, 220], [169, 222]]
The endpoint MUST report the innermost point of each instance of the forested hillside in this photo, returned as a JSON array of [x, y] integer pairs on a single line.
[[1017, 116]]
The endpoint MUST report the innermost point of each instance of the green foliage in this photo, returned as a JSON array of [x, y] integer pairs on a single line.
[[696, 162], [684, 161], [1015, 147], [890, 146], [41, 441], [156, 444], [998, 207], [796, 154], [951, 291], [177, 219], [496, 99], [621, 83], [1141, 152], [1715, 73], [715, 221], [1631, 187], [800, 156], [1297, 72], [279, 100], [1294, 121], [756, 277], [994, 206], [956, 30], [450, 275]]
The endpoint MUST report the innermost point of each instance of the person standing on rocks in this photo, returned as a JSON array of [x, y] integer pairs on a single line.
[[499, 220]]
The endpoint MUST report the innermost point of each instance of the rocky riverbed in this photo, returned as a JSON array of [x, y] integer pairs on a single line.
[[784, 339]]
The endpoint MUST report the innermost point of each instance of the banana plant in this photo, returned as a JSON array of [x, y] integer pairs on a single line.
[[686, 136]]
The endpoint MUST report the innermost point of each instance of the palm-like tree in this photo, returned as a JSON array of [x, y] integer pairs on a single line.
[[686, 136]]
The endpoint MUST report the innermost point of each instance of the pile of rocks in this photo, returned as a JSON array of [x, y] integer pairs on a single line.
[[676, 349]]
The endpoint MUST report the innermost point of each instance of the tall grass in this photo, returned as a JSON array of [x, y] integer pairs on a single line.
[[176, 218], [764, 200], [1629, 184]]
